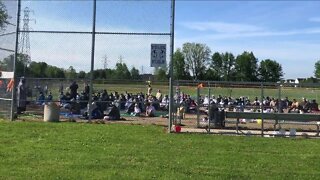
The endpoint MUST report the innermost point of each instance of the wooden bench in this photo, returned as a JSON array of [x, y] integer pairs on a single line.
[[287, 118]]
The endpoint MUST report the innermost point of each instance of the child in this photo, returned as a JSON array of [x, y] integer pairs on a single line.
[[136, 111], [150, 110]]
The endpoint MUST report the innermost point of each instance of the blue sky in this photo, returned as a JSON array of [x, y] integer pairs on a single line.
[[285, 31]]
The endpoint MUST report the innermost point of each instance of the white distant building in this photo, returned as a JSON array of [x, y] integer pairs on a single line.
[[6, 75], [291, 81], [299, 80]]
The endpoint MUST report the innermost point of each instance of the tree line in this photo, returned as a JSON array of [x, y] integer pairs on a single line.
[[192, 62], [195, 61], [44, 70]]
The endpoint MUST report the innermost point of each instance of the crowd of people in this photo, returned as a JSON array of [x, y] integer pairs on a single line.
[[267, 104], [108, 105]]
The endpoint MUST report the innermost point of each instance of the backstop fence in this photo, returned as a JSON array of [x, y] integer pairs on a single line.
[[81, 36], [7, 53], [85, 36]]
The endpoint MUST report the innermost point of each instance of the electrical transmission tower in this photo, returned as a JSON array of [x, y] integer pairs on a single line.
[[25, 39], [120, 59], [105, 62]]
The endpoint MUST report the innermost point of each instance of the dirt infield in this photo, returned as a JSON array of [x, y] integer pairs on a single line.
[[188, 124]]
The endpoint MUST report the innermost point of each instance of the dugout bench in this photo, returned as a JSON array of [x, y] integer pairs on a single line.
[[280, 118]]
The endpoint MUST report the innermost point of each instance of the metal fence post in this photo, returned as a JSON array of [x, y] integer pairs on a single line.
[[13, 95], [262, 107], [209, 94], [279, 101], [92, 56], [171, 65], [198, 104]]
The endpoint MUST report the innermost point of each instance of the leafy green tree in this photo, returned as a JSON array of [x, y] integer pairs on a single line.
[[7, 64], [110, 74], [38, 69], [246, 67], [215, 71], [310, 80], [317, 69], [135, 74], [270, 71], [196, 56], [161, 74], [211, 75], [228, 67], [121, 71], [103, 74], [222, 66], [96, 74], [82, 74], [179, 66], [54, 72], [3, 16], [71, 73]]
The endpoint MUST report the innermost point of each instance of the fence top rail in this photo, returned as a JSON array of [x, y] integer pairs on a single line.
[[275, 116], [274, 84]]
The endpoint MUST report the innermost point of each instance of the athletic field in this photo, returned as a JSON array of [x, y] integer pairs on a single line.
[[37, 150]]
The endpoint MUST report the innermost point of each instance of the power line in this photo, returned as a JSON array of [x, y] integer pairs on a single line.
[[4, 49]]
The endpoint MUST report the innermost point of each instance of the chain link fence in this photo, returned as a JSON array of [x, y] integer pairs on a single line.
[[7, 49], [62, 42], [206, 104]]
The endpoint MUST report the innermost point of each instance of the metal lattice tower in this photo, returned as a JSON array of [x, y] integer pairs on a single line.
[[25, 40], [105, 62]]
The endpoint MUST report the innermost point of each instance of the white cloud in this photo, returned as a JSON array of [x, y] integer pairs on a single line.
[[221, 27], [219, 31]]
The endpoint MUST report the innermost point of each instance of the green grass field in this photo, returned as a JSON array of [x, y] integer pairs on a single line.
[[233, 91], [31, 150]]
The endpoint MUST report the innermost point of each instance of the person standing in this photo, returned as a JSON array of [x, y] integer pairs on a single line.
[[149, 90], [86, 88], [73, 90], [21, 96]]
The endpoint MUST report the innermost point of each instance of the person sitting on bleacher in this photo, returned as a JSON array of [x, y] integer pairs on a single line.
[[314, 107], [206, 101], [41, 99], [304, 104], [165, 103], [256, 102], [294, 106], [49, 97]]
